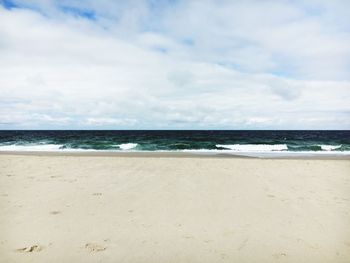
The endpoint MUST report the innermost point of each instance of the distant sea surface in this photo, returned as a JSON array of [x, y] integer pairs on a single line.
[[208, 141]]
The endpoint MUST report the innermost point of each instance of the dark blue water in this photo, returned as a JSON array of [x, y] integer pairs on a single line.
[[211, 140]]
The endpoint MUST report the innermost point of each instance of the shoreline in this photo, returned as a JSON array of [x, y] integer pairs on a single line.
[[173, 154]]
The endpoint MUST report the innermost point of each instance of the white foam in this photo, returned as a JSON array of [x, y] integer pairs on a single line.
[[127, 146], [330, 147], [268, 154], [38, 147], [254, 147]]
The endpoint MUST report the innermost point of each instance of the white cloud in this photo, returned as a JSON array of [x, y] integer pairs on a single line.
[[109, 121], [193, 64]]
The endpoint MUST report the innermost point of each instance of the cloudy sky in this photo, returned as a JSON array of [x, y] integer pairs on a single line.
[[107, 64]]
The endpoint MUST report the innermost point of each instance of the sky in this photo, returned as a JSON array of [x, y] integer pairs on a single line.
[[174, 64]]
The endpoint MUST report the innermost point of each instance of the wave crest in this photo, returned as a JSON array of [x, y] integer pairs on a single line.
[[38, 147], [127, 146], [254, 147], [330, 147]]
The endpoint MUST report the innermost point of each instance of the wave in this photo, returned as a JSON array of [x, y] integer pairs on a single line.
[[61, 147], [240, 149], [268, 153], [127, 146], [253, 147], [330, 147], [36, 147]]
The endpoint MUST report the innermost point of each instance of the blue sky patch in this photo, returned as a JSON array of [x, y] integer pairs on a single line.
[[88, 14], [8, 4]]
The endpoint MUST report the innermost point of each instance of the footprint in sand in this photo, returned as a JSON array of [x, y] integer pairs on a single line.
[[34, 248], [55, 212], [92, 247], [243, 244], [279, 255], [188, 237]]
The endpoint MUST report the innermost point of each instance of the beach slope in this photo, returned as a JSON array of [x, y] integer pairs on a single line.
[[73, 208]]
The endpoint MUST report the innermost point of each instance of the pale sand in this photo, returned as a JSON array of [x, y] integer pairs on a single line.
[[125, 209]]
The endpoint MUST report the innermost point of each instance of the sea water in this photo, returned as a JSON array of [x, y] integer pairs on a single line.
[[196, 141]]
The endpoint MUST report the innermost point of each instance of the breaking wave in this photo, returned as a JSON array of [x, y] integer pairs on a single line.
[[37, 147], [127, 146], [253, 147], [330, 147]]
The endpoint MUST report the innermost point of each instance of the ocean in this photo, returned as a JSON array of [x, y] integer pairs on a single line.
[[197, 141]]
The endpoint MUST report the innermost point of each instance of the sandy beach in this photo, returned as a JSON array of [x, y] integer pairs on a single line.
[[74, 208]]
